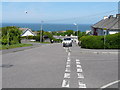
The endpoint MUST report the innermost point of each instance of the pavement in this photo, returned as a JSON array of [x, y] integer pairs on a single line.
[[100, 51], [52, 66]]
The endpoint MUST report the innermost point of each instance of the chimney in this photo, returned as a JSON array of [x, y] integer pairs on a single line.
[[105, 17], [111, 16]]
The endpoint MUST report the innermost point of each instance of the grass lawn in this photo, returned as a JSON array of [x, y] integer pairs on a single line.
[[13, 46]]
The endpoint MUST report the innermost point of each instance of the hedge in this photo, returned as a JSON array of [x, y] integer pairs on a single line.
[[28, 37], [57, 40], [97, 42]]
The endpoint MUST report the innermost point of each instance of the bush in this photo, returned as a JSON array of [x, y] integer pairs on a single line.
[[37, 38], [10, 35], [28, 37], [4, 41], [57, 40], [97, 42], [113, 41]]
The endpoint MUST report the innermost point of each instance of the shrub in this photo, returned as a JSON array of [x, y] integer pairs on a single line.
[[10, 35], [28, 37], [4, 41], [57, 40], [97, 42]]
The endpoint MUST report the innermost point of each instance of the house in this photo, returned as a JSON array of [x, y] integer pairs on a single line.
[[108, 25], [89, 32], [27, 32]]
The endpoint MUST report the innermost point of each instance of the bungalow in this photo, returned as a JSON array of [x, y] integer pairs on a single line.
[[108, 25], [26, 32]]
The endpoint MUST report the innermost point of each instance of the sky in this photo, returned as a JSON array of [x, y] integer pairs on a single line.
[[57, 12], [60, 0]]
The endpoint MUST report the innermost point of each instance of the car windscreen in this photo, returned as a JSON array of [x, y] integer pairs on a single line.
[[67, 38]]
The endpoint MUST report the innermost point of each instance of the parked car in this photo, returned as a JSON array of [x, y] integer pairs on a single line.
[[32, 40], [67, 42]]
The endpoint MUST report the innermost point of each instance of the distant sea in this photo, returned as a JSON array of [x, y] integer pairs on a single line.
[[50, 27]]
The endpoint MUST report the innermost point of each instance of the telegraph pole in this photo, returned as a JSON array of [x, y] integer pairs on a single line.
[[41, 32], [77, 35]]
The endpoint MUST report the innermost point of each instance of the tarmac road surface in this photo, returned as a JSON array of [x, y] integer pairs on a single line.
[[52, 66]]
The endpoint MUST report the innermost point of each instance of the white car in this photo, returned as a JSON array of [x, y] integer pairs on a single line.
[[32, 40], [67, 42]]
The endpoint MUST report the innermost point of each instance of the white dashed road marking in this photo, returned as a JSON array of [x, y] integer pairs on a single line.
[[65, 83], [69, 54], [79, 70], [77, 62], [68, 60], [67, 70], [67, 75], [67, 65], [82, 85], [80, 75], [78, 66]]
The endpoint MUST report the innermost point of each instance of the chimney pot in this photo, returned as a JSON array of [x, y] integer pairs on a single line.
[[105, 17]]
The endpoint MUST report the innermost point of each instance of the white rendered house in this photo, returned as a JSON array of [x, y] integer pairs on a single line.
[[108, 25], [26, 32]]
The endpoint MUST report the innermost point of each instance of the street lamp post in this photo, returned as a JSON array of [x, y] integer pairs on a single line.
[[77, 30]]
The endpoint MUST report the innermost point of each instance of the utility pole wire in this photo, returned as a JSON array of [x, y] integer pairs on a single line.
[[81, 16]]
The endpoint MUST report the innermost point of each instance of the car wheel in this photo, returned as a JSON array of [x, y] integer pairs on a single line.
[[63, 45]]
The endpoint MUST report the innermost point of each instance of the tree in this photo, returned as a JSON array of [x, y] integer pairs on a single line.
[[39, 36], [50, 36], [69, 32]]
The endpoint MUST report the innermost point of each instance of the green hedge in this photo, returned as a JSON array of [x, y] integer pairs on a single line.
[[28, 37], [57, 40], [97, 42]]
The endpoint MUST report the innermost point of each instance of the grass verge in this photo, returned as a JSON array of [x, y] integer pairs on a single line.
[[42, 42], [13, 46]]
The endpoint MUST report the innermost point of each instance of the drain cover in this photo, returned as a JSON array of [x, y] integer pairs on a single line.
[[6, 65]]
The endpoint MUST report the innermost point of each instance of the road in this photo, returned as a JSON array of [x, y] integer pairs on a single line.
[[52, 66]]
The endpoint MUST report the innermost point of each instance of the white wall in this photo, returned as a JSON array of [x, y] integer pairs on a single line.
[[101, 32], [113, 32]]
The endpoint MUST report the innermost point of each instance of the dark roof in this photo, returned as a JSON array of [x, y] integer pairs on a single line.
[[110, 23]]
